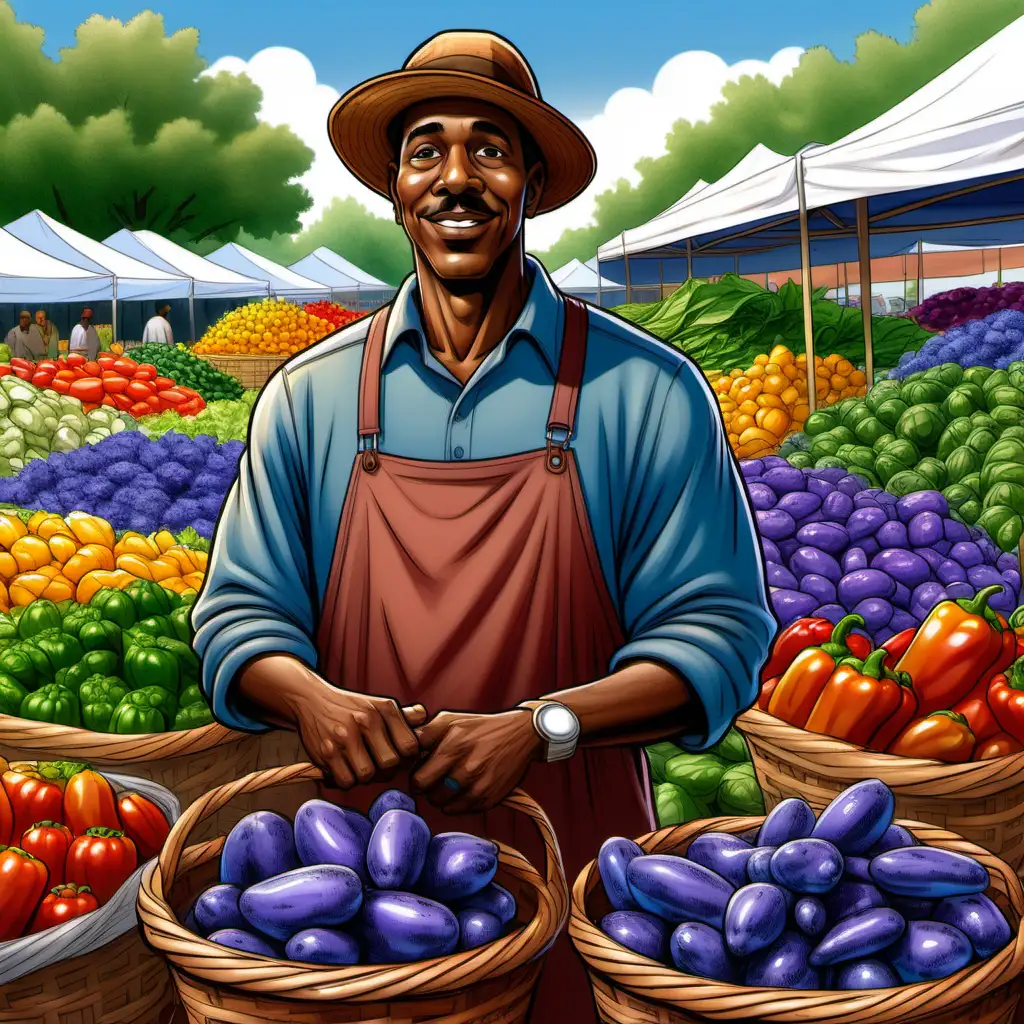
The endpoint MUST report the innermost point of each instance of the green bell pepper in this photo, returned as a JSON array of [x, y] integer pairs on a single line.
[[64, 607], [188, 663], [78, 619], [99, 696], [195, 716], [12, 693], [115, 606], [148, 664], [150, 709], [104, 663], [155, 625], [187, 599], [190, 695], [181, 621], [52, 703], [62, 649], [8, 628], [101, 636], [28, 664], [150, 599], [40, 615]]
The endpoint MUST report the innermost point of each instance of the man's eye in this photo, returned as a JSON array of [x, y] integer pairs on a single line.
[[425, 153], [491, 153]]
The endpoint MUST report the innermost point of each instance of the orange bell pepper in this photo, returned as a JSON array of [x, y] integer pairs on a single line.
[[143, 823], [940, 736], [49, 842], [901, 718], [89, 803], [22, 884], [975, 707], [1000, 745], [1006, 698], [767, 689], [33, 798]]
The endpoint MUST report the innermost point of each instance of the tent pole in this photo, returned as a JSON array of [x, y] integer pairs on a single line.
[[689, 260], [192, 310], [807, 286], [864, 252], [999, 275], [625, 259], [846, 285], [920, 272], [113, 312], [597, 260], [736, 264], [661, 280]]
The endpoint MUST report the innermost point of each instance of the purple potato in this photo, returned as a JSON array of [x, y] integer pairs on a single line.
[[217, 908], [776, 462], [751, 468], [323, 895], [400, 928], [925, 598], [790, 605], [818, 587], [925, 529], [678, 890], [323, 946], [237, 938], [870, 492], [833, 474], [644, 934], [807, 866], [809, 916], [885, 499], [456, 866], [391, 800], [496, 900], [261, 845], [870, 546], [856, 819], [822, 488], [883, 636], [762, 497], [912, 909], [775, 525], [857, 869], [926, 872], [865, 974], [854, 559], [771, 552], [893, 535], [750, 836], [902, 620], [759, 864], [1005, 601], [942, 547], [930, 950], [893, 838], [851, 484], [901, 597], [397, 849], [1006, 561], [967, 553], [787, 548], [903, 566], [799, 504], [981, 576], [478, 928], [328, 834], [754, 918], [723, 853], [891, 514], [828, 537], [922, 501], [810, 560], [860, 584], [951, 572], [979, 919], [791, 819], [932, 557], [837, 507], [863, 500], [955, 532], [858, 936], [864, 522], [612, 861], [849, 898], [784, 964], [958, 591], [780, 576], [832, 612], [783, 479], [875, 611], [814, 517], [699, 950]]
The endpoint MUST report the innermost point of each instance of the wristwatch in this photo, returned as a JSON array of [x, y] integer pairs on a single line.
[[557, 726]]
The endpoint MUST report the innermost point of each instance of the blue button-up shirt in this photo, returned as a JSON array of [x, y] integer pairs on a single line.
[[669, 514]]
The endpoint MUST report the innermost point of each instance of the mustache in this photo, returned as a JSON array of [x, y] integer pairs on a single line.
[[469, 204]]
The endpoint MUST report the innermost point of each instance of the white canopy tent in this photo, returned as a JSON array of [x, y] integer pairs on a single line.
[[130, 278], [339, 275], [282, 282], [30, 276], [577, 278], [208, 280]]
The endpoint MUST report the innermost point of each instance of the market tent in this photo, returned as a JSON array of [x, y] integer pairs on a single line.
[[576, 276], [30, 276], [345, 280], [283, 283]]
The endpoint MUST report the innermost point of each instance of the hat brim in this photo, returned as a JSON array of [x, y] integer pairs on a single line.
[[358, 128]]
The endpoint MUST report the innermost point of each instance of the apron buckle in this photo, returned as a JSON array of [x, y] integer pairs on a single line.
[[370, 458], [557, 452]]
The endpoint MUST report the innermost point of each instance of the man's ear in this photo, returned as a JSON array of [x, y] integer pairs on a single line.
[[393, 191], [536, 181]]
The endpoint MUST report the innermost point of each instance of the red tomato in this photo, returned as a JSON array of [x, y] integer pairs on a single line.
[[125, 366], [68, 375], [62, 387], [106, 361], [22, 373], [140, 409], [92, 368], [193, 407], [163, 383], [155, 403], [122, 402], [5, 370], [108, 400], [81, 372], [88, 389], [47, 364], [76, 359], [172, 397], [114, 383], [102, 859], [21, 364], [42, 378], [89, 406], [139, 390], [149, 370]]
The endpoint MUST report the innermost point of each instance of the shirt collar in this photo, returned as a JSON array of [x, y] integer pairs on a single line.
[[540, 319]]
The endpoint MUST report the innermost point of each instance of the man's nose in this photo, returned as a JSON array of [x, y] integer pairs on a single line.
[[456, 174]]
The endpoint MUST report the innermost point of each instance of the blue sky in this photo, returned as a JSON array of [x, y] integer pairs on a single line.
[[581, 51]]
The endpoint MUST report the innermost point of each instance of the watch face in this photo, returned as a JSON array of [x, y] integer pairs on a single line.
[[557, 723]]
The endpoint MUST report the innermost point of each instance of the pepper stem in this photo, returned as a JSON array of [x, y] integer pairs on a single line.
[[837, 647], [101, 832], [959, 719], [873, 667], [978, 605], [47, 824]]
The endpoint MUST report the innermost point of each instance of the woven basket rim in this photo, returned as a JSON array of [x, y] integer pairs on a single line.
[[264, 976], [979, 979]]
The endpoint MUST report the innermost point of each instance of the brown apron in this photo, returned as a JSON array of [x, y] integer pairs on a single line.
[[472, 586]]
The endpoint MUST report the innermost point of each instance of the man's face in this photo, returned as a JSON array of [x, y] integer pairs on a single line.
[[41, 318], [460, 186], [24, 319], [165, 311]]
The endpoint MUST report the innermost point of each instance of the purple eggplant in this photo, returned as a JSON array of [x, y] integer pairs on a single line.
[[837, 507], [925, 872], [754, 918], [612, 861], [979, 919], [324, 895], [397, 849], [809, 916], [496, 900], [903, 566], [810, 560], [784, 964], [893, 535], [323, 946], [399, 928], [237, 938], [849, 898], [456, 866], [391, 800], [759, 864], [820, 588], [328, 834], [644, 934], [930, 950], [807, 866], [260, 846], [775, 525], [857, 818], [783, 479], [762, 497], [857, 869], [860, 584], [723, 853], [217, 908], [858, 936], [791, 819], [790, 605], [678, 890], [925, 529], [865, 974], [893, 838], [922, 501], [825, 536], [864, 522], [478, 928], [780, 576], [699, 950]]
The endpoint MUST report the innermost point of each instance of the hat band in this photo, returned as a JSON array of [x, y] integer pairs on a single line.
[[472, 65]]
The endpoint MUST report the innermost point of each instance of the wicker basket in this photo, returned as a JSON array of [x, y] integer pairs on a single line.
[[188, 763], [491, 985], [252, 371], [630, 989], [983, 801]]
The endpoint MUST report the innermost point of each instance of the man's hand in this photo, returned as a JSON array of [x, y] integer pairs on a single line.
[[486, 755]]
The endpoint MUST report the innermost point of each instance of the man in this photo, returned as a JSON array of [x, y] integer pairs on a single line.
[[84, 339], [486, 495], [25, 340], [158, 328], [51, 336]]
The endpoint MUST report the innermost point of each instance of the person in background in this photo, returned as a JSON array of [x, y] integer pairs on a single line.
[[50, 334], [84, 339], [158, 329], [26, 340]]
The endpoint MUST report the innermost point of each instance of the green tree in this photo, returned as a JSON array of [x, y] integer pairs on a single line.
[[122, 132], [823, 100]]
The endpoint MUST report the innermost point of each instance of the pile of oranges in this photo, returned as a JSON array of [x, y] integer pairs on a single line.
[[268, 328]]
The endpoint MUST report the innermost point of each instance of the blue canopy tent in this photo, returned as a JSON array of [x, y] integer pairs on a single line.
[[354, 287], [283, 283]]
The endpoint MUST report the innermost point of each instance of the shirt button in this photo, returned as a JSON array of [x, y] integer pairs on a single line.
[[459, 452]]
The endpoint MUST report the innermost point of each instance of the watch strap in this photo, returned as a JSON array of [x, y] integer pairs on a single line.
[[553, 751]]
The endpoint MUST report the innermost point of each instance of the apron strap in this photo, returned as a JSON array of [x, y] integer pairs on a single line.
[[562, 416], [369, 379]]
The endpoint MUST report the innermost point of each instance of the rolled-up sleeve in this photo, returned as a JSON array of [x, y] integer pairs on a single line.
[[691, 579], [256, 599]]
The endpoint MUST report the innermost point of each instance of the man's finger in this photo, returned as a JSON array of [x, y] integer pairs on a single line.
[[434, 769], [379, 744], [402, 738], [415, 715], [358, 757], [431, 733], [339, 770]]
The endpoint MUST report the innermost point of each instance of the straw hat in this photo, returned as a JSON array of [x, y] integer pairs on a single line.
[[460, 65]]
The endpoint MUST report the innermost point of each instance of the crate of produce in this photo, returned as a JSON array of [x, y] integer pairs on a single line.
[[252, 371], [265, 971], [685, 936], [74, 954]]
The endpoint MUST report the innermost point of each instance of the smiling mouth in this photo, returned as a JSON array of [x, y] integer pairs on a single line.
[[460, 220]]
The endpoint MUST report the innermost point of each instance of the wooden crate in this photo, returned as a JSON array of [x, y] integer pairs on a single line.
[[252, 371]]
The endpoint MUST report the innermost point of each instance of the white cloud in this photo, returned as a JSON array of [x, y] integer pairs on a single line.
[[633, 124]]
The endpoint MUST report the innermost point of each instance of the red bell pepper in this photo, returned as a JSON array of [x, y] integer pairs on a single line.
[[102, 859], [63, 903], [1002, 744], [1006, 698], [806, 633], [767, 689], [6, 819], [144, 823], [33, 798], [896, 646], [22, 884], [901, 718], [978, 712], [89, 802], [49, 841], [941, 736]]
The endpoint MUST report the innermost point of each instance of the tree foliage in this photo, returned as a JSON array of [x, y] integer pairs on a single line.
[[122, 131]]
